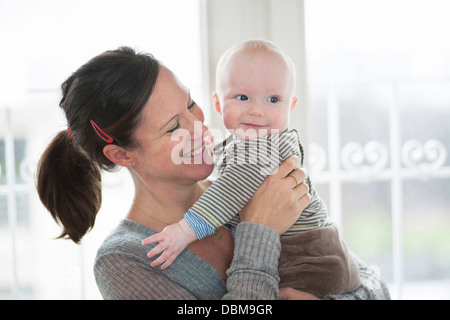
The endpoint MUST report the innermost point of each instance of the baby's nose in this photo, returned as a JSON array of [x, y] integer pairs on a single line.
[[256, 109]]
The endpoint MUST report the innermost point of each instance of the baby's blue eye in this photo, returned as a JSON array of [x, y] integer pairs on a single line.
[[273, 99], [242, 97]]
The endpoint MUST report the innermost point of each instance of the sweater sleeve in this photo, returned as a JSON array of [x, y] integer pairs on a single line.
[[253, 273], [120, 277]]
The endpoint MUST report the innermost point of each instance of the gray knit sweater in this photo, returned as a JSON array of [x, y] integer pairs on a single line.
[[122, 269]]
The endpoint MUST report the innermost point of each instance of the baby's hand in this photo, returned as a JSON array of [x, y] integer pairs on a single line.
[[172, 240]]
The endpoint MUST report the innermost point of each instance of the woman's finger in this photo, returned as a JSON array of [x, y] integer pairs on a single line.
[[296, 177], [305, 199], [286, 166]]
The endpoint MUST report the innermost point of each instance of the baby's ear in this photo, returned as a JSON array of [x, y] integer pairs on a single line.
[[294, 102], [216, 102]]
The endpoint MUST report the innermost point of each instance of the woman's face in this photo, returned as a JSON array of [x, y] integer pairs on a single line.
[[171, 135]]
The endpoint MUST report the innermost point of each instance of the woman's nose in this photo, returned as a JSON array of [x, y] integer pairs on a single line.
[[198, 114], [196, 120]]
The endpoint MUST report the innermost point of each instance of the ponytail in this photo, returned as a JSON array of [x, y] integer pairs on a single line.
[[108, 92], [69, 186]]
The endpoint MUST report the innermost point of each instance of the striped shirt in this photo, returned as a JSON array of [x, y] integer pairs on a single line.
[[242, 167]]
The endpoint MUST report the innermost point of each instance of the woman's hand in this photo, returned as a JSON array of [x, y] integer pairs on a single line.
[[293, 294], [280, 199]]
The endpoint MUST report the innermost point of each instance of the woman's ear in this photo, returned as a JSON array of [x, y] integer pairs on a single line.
[[216, 102], [118, 155]]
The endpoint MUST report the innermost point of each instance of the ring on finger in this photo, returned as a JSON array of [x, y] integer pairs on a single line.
[[296, 180]]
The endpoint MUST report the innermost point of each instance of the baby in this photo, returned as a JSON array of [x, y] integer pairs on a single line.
[[255, 96]]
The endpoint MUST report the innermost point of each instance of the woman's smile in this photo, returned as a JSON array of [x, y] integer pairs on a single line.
[[194, 153]]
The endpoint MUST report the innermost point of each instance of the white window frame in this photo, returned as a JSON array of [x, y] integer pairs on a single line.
[[403, 168]]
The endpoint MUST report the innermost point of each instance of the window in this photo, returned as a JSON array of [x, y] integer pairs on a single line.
[[379, 104], [43, 43], [22, 176]]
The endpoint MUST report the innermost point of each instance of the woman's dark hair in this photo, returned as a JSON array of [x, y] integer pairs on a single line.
[[110, 90]]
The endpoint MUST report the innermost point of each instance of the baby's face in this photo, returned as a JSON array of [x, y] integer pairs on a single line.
[[255, 94]]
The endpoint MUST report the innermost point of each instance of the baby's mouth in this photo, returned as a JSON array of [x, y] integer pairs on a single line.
[[253, 125]]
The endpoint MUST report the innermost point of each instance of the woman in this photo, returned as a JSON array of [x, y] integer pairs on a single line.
[[122, 109]]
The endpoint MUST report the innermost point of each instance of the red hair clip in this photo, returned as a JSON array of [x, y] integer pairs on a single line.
[[103, 135], [70, 133]]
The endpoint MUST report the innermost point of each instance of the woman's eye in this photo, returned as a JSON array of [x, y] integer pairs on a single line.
[[175, 127], [273, 99], [242, 97], [191, 105]]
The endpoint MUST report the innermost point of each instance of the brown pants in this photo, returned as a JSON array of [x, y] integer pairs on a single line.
[[317, 262]]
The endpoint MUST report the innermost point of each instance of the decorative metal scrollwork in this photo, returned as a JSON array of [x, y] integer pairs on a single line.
[[317, 158], [27, 169], [366, 159], [426, 157]]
